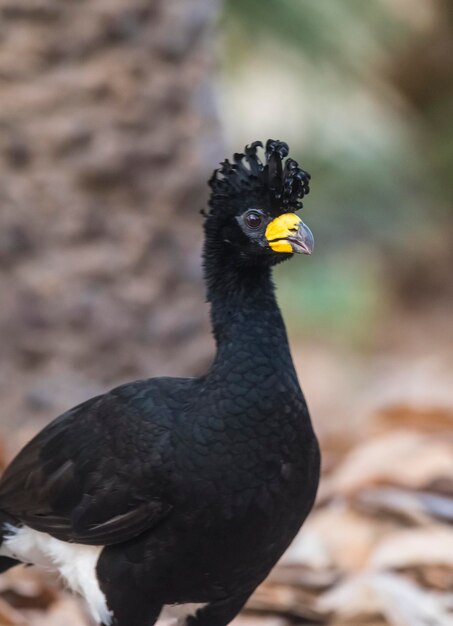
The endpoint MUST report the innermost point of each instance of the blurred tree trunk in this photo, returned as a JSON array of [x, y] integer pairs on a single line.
[[107, 135], [423, 75]]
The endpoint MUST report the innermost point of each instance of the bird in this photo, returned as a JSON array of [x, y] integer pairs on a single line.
[[185, 492]]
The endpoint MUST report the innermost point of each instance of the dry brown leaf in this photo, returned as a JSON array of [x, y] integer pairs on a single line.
[[377, 621], [3, 456], [348, 537], [353, 599], [334, 449], [29, 596], [308, 549], [399, 504], [66, 612], [396, 598], [405, 505], [422, 418], [441, 486], [405, 604], [9, 616], [24, 587], [284, 600], [403, 458], [300, 576], [439, 577], [418, 546], [437, 505], [248, 619]]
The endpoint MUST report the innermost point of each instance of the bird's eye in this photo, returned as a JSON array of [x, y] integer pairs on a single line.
[[253, 220]]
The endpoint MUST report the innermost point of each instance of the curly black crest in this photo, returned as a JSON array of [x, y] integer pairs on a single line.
[[282, 185]]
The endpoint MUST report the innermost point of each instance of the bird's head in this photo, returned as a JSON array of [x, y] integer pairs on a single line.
[[251, 214]]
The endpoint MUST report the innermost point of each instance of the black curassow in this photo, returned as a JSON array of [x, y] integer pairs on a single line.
[[172, 491]]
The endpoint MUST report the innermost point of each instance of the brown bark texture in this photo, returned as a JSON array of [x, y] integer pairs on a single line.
[[107, 134]]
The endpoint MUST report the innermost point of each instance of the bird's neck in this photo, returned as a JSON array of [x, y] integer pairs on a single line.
[[253, 371], [244, 311]]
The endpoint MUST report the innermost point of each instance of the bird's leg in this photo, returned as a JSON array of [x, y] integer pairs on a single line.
[[219, 613]]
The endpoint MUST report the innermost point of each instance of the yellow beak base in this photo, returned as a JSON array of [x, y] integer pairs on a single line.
[[280, 229]]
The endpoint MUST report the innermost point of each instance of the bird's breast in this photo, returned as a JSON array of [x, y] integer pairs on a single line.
[[233, 472]]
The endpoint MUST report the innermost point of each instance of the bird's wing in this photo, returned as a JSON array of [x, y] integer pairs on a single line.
[[94, 475]]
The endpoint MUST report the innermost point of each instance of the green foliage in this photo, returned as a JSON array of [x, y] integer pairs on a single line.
[[342, 81], [335, 297], [340, 32]]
